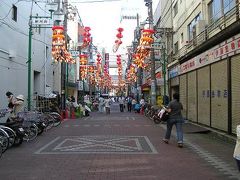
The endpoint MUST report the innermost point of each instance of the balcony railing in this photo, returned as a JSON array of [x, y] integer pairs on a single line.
[[211, 30]]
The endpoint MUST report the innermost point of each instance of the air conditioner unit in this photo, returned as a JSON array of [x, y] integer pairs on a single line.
[[200, 26]]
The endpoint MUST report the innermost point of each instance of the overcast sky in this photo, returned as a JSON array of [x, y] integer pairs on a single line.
[[104, 19]]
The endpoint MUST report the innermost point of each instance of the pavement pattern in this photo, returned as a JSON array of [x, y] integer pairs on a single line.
[[119, 146]]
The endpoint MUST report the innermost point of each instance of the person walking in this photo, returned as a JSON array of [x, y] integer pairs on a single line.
[[236, 153], [133, 103], [107, 105], [175, 118], [101, 104], [129, 103], [142, 103], [121, 101]]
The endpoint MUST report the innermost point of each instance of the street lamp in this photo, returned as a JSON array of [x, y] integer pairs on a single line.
[[36, 20]]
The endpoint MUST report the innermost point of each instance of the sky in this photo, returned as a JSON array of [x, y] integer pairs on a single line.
[[104, 18]]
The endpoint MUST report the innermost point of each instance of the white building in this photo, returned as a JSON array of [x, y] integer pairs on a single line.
[[14, 34]]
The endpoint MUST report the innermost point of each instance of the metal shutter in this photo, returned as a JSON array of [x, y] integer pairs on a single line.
[[219, 98], [183, 93], [203, 98], [235, 77], [192, 97]]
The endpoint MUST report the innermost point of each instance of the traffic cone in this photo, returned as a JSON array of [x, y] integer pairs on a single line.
[[63, 114], [73, 114], [66, 113]]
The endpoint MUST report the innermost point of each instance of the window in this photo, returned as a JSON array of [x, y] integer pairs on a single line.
[[192, 25], [181, 37], [228, 5], [14, 13], [176, 47], [217, 8], [175, 9]]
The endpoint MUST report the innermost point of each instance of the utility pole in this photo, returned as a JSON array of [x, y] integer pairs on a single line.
[[30, 63], [152, 55], [63, 64]]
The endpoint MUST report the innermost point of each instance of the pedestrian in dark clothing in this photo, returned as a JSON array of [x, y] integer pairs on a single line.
[[129, 104], [175, 118]]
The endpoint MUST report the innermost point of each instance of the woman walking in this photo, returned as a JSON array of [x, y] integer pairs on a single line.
[[175, 118]]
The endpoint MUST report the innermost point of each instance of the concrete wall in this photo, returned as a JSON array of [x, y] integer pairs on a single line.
[[14, 41]]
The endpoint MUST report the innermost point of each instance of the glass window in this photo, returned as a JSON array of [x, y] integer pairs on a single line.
[[217, 8], [181, 37], [228, 5], [217, 12], [176, 47], [191, 25]]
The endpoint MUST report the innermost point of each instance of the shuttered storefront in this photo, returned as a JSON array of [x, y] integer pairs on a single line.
[[204, 95], [183, 93], [192, 97], [219, 97], [235, 78]]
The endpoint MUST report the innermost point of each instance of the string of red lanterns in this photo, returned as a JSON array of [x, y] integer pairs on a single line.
[[143, 50], [118, 41], [59, 52]]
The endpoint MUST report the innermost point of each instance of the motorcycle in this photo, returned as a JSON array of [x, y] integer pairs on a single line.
[[161, 116]]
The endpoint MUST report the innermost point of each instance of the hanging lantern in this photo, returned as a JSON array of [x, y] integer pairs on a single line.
[[83, 59], [118, 42]]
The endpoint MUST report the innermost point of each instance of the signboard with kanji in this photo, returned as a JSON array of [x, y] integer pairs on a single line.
[[41, 21]]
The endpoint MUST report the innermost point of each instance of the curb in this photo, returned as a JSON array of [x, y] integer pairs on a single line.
[[217, 133]]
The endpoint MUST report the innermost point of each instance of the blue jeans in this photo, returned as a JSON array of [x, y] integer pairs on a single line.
[[178, 123]]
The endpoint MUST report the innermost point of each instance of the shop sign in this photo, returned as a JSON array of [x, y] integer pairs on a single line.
[[174, 72], [223, 50], [217, 93]]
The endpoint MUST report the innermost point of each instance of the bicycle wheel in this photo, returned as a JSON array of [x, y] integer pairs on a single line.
[[48, 121], [57, 118], [11, 133], [1, 149], [31, 132], [4, 138]]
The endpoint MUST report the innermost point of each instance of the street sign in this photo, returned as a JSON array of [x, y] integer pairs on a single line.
[[41, 21], [80, 85], [157, 46], [74, 53]]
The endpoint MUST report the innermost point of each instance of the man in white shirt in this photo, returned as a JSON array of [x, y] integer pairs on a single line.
[[101, 104], [107, 105], [121, 101]]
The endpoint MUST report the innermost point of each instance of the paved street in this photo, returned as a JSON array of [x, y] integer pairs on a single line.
[[119, 146]]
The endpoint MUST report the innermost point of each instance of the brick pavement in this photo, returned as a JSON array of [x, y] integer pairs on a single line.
[[119, 146]]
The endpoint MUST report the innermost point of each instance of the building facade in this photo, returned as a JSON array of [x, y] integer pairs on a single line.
[[14, 34], [206, 60]]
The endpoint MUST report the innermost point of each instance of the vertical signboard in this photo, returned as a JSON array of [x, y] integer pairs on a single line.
[[107, 60]]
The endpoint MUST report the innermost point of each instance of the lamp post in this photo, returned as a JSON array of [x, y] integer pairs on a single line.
[[152, 55], [41, 20]]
